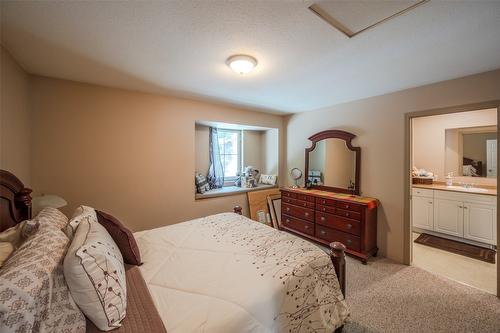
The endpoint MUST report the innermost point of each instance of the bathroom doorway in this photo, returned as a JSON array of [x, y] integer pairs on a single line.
[[451, 215]]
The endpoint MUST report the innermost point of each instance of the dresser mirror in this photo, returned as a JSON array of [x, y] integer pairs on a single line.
[[332, 163]]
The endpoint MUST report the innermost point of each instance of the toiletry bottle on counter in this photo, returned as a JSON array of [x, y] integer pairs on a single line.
[[449, 179]]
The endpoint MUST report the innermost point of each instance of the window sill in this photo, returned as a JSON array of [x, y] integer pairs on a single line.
[[231, 190]]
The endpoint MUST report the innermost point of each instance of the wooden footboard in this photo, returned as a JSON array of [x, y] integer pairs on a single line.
[[237, 210], [337, 255]]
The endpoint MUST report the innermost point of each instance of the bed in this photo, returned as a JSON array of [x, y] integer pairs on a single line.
[[223, 273]]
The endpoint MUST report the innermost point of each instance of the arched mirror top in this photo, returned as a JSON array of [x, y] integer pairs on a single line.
[[333, 163]]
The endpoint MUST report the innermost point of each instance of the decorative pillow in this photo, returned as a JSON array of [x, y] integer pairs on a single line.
[[17, 234], [122, 237], [34, 296], [95, 274], [201, 183], [6, 249], [268, 179], [50, 215], [80, 214]]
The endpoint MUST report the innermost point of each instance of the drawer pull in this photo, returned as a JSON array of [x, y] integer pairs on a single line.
[[322, 218], [287, 220], [304, 204], [306, 227], [306, 214], [348, 241], [287, 209], [323, 232], [346, 206], [347, 214], [349, 226], [430, 202], [323, 202], [324, 209]]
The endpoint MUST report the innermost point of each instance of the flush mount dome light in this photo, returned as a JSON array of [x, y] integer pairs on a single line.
[[241, 63]]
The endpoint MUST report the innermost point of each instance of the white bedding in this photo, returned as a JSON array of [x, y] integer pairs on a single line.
[[226, 273]]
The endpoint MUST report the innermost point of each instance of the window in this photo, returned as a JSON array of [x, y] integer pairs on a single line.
[[230, 153]]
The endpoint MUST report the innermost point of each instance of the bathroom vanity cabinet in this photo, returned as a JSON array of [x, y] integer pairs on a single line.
[[469, 216]]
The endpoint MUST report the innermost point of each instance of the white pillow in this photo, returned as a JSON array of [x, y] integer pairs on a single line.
[[268, 179], [81, 213], [95, 273]]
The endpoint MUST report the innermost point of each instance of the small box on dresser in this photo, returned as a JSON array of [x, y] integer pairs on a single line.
[[320, 217]]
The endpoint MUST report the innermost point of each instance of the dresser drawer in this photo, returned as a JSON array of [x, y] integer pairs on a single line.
[[325, 202], [299, 203], [299, 225], [325, 209], [305, 197], [348, 213], [286, 194], [331, 235], [300, 212], [338, 222], [348, 206]]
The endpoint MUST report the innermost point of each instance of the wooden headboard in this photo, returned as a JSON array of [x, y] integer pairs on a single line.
[[15, 201]]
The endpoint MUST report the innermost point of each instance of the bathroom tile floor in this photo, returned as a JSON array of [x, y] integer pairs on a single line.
[[472, 272]]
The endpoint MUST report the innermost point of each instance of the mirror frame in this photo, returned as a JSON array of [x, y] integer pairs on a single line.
[[347, 137]]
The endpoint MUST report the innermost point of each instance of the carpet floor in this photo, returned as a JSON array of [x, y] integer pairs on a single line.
[[384, 296]]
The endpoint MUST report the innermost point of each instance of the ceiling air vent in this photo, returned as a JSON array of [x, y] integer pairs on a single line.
[[353, 17]]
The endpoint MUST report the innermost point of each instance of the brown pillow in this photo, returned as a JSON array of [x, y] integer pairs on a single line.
[[122, 237]]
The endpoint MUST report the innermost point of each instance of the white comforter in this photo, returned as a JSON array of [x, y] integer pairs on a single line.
[[226, 273]]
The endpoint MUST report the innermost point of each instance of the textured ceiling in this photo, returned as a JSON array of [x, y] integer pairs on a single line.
[[180, 47]]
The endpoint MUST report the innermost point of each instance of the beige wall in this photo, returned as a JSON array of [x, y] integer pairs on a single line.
[[128, 153], [15, 130], [379, 123], [429, 139], [202, 149], [271, 151], [252, 149]]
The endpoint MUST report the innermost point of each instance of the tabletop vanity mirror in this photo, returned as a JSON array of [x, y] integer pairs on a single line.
[[332, 163]]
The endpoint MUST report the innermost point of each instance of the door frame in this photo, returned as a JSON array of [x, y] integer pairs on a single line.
[[407, 246]]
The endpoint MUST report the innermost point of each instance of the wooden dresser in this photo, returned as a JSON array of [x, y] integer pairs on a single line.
[[325, 217]]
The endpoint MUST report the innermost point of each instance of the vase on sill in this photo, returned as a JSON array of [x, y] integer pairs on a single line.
[[238, 181]]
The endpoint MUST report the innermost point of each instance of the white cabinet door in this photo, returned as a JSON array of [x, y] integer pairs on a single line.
[[449, 217], [422, 212], [480, 223]]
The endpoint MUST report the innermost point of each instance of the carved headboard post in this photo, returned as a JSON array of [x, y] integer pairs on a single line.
[[15, 200]]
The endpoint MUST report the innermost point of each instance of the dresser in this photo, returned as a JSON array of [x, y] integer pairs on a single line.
[[325, 217]]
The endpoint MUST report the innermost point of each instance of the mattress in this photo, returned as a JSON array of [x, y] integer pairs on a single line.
[[227, 273]]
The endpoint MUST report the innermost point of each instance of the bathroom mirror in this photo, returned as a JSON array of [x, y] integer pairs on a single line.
[[332, 163], [471, 151]]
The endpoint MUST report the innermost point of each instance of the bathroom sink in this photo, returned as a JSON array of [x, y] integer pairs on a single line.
[[467, 189]]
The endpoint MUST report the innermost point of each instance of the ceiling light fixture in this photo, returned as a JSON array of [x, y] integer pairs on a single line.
[[241, 63]]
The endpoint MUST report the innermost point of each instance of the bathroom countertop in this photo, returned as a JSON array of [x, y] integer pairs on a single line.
[[437, 186]]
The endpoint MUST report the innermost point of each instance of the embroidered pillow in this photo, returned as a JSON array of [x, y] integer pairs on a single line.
[[201, 183], [34, 296], [268, 179], [6, 249], [95, 274], [80, 214], [54, 216], [122, 237]]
